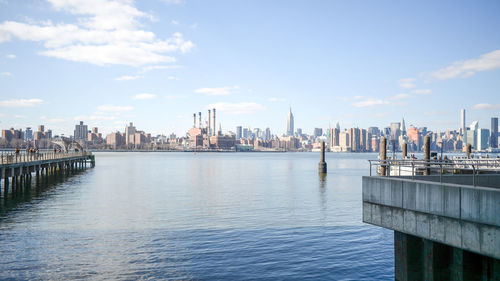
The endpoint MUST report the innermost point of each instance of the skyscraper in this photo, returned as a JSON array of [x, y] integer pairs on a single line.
[[289, 123], [238, 132], [463, 128], [403, 128], [494, 133], [81, 131], [482, 139]]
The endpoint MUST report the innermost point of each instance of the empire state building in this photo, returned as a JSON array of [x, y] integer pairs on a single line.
[[289, 124]]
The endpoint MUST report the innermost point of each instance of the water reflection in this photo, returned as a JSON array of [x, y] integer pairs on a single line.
[[19, 192]]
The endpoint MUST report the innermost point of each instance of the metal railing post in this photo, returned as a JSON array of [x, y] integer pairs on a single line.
[[473, 175]]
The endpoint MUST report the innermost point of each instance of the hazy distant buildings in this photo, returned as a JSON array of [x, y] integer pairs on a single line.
[[238, 132], [463, 128], [28, 134], [289, 123], [80, 132], [483, 136], [318, 132], [471, 134], [494, 133]]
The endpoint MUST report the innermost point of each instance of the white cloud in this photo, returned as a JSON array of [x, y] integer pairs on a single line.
[[114, 108], [173, 78], [20, 117], [422, 91], [237, 108], [144, 96], [368, 102], [467, 68], [383, 114], [109, 34], [128, 78], [174, 22], [486, 106], [52, 120], [21, 102], [173, 2], [401, 96], [159, 67], [10, 56], [220, 91], [407, 83], [276, 99], [6, 74]]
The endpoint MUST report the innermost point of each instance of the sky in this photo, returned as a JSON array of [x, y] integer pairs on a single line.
[[156, 62]]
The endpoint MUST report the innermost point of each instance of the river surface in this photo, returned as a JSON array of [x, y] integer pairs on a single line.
[[204, 216]]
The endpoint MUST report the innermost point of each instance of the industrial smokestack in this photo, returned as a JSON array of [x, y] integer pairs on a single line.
[[194, 120], [214, 124], [209, 131], [199, 114]]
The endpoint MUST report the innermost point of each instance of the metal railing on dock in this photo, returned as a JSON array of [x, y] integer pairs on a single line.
[[26, 157], [414, 167]]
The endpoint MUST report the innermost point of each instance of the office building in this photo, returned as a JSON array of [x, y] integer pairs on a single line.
[[494, 133], [80, 132], [289, 123]]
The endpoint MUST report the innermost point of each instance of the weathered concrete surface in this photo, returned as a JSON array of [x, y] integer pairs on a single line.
[[461, 216], [484, 180]]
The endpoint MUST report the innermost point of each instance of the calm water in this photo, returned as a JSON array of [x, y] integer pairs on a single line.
[[178, 216]]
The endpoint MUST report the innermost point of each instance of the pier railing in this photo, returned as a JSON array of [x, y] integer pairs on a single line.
[[413, 167], [26, 157]]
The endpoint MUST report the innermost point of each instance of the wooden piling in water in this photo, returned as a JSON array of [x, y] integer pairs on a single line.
[[322, 164], [383, 155], [427, 153]]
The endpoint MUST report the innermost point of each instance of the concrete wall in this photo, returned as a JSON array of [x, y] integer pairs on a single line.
[[461, 216], [488, 180]]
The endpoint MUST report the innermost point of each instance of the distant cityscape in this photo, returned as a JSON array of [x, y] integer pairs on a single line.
[[204, 136]]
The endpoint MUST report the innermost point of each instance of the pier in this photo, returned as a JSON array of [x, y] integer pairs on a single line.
[[17, 169], [445, 216]]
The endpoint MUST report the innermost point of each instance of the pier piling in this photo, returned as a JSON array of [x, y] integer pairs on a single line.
[[383, 155], [405, 150], [427, 152], [322, 164]]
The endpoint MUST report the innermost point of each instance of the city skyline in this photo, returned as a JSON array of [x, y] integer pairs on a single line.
[[355, 67]]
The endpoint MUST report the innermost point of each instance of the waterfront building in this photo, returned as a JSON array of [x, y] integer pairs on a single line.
[[483, 136], [318, 132], [334, 137], [289, 123], [80, 132], [494, 133], [463, 129], [344, 141], [374, 131], [28, 134], [472, 134], [355, 139], [129, 134], [115, 140], [238, 132]]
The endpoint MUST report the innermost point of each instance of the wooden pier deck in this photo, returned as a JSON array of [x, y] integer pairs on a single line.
[[19, 168]]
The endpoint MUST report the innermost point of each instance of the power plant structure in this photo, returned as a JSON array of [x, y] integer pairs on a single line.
[[206, 136]]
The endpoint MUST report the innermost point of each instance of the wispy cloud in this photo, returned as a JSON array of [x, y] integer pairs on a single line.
[[20, 116], [144, 96], [173, 2], [237, 108], [52, 120], [128, 78], [159, 67], [111, 34], [10, 56], [5, 73], [407, 83], [489, 106], [114, 108], [21, 102], [422, 91], [401, 96], [467, 68], [220, 91], [369, 102], [173, 78]]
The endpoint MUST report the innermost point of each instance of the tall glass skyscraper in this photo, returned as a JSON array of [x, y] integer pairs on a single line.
[[494, 133]]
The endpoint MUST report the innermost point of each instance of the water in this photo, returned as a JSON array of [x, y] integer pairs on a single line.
[[205, 216]]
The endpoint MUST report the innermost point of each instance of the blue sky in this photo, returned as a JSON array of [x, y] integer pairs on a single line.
[[155, 62]]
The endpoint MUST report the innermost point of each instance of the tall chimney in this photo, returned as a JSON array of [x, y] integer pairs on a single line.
[[214, 124], [209, 132], [199, 116], [194, 120]]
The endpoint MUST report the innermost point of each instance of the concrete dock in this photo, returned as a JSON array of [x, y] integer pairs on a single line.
[[443, 229]]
